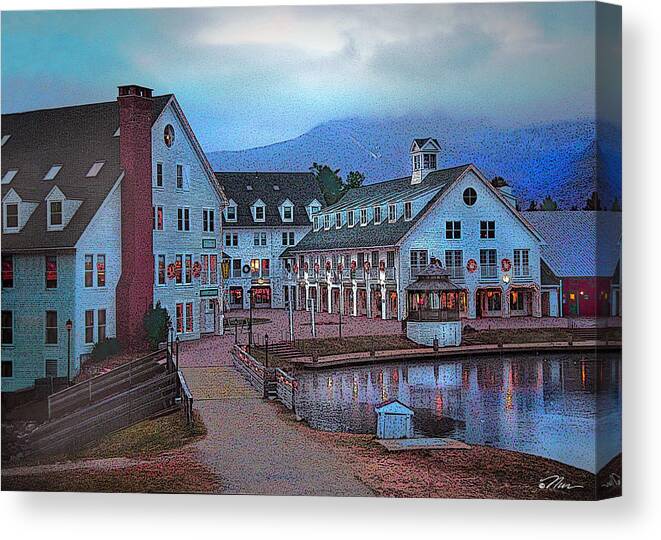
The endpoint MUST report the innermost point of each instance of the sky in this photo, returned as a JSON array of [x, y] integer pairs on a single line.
[[249, 77]]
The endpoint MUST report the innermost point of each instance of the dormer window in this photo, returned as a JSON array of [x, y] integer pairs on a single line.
[[392, 212], [338, 219], [52, 172], [377, 215], [11, 216], [9, 176], [430, 161], [408, 210], [363, 216], [287, 211], [95, 168], [230, 212], [327, 222], [259, 211], [55, 214], [351, 218]]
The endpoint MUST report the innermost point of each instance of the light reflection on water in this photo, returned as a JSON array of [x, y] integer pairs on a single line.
[[553, 406]]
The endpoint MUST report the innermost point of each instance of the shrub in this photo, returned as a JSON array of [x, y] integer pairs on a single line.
[[156, 322], [104, 349]]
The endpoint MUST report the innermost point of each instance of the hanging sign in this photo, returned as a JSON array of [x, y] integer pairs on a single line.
[[471, 266], [506, 265]]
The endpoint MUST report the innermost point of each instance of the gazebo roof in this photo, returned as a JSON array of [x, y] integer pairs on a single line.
[[433, 278]]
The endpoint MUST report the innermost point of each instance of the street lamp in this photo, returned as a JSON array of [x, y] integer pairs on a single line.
[[250, 292], [69, 326]]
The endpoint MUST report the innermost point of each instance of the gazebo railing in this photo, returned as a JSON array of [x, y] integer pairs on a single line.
[[440, 315]]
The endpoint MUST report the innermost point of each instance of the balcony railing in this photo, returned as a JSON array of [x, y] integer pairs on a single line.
[[390, 273], [489, 271]]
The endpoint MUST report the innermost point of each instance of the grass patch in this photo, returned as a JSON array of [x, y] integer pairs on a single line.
[[354, 344], [531, 335]]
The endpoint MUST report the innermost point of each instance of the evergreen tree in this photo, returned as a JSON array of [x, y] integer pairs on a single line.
[[533, 206], [616, 205], [549, 204], [593, 203], [354, 180], [329, 181]]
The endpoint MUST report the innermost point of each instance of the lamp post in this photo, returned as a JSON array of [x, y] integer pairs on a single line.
[[250, 323], [69, 326]]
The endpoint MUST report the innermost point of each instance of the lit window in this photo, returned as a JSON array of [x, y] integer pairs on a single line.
[[408, 210], [52, 172], [94, 169], [189, 269], [11, 216], [51, 272], [5, 138], [157, 223], [89, 270], [100, 270], [168, 135], [189, 317], [161, 270], [470, 196], [51, 327], [89, 326], [213, 269], [55, 213], [180, 318], [7, 271], [9, 176], [178, 263]]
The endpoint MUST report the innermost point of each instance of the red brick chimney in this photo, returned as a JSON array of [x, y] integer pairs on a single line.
[[135, 289]]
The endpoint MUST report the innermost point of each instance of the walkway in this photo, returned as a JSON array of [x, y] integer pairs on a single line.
[[251, 446]]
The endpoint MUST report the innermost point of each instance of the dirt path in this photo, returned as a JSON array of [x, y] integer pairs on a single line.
[[252, 451]]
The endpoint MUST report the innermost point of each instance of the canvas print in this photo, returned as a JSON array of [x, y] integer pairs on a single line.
[[365, 251]]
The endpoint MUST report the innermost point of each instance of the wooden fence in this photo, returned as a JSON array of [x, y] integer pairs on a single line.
[[107, 415], [259, 377], [286, 389], [186, 397], [107, 384]]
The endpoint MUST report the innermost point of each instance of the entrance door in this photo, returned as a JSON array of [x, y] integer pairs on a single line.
[[546, 304], [209, 316], [572, 303]]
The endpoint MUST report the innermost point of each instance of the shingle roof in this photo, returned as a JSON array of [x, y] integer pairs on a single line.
[[301, 188], [579, 243], [74, 137], [386, 233]]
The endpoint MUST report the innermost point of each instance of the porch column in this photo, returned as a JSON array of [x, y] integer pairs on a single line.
[[505, 303], [201, 316], [330, 298], [354, 300], [383, 302], [536, 302], [368, 300], [219, 317], [318, 300], [307, 297], [471, 303]]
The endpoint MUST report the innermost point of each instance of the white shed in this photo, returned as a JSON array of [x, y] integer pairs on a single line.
[[394, 420]]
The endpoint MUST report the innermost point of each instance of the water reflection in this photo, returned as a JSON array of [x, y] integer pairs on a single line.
[[564, 407]]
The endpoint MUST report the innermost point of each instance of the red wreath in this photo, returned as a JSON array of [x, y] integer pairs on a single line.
[[197, 269], [382, 266], [172, 272], [471, 266], [367, 266], [506, 265], [328, 265], [295, 268], [353, 265]]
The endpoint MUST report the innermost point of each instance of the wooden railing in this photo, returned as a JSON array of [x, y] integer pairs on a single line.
[[286, 389], [258, 376], [186, 397]]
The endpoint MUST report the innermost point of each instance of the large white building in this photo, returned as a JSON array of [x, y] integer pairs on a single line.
[[364, 250], [107, 209], [267, 212]]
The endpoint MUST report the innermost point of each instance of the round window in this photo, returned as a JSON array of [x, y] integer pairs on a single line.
[[168, 135], [470, 196]]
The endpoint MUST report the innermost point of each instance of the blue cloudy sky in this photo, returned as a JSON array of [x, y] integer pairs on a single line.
[[252, 76]]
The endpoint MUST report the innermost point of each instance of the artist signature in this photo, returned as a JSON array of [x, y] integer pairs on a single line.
[[556, 481], [614, 480]]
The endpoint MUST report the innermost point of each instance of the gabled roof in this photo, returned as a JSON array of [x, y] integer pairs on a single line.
[[420, 143], [579, 243], [394, 406], [273, 188]]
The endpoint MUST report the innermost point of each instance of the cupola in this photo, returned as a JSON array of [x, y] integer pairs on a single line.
[[424, 158]]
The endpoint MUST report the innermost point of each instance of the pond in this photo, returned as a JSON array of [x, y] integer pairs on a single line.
[[565, 407]]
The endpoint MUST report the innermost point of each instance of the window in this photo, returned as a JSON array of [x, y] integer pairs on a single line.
[[236, 268], [180, 318], [327, 222], [168, 135], [408, 210], [160, 270], [55, 213], [7, 327], [375, 259], [236, 296], [419, 261], [51, 272], [208, 220], [254, 267], [7, 271], [390, 259], [159, 175], [189, 270], [522, 262], [392, 212], [351, 218], [52, 172], [189, 317], [488, 267], [180, 176], [316, 224], [11, 216], [157, 223], [100, 270], [183, 219], [454, 262], [453, 230], [287, 213], [266, 267], [363, 216], [516, 301], [377, 215], [178, 264], [487, 229], [51, 368], [259, 213], [9, 176], [493, 301], [288, 238], [95, 169], [51, 327], [338, 219], [7, 368], [89, 326], [231, 239], [89, 270], [430, 161], [213, 269], [416, 162], [259, 239], [470, 196], [231, 213]]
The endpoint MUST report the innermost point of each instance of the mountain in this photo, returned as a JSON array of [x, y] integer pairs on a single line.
[[563, 159]]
